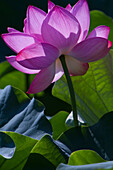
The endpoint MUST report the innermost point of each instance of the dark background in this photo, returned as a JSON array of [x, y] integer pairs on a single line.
[[13, 12]]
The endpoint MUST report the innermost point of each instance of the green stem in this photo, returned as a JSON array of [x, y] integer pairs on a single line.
[[71, 90], [27, 82]]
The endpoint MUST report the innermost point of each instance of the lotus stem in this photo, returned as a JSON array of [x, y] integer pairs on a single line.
[[71, 89]]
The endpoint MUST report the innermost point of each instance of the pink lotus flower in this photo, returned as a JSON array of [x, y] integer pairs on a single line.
[[46, 37]]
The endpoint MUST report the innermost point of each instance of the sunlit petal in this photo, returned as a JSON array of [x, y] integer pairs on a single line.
[[69, 7], [50, 5], [35, 17], [100, 31], [42, 80], [58, 70], [16, 65], [12, 30], [81, 12], [61, 29], [38, 56], [17, 41]]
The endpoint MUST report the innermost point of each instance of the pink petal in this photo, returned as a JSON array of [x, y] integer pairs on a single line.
[[16, 65], [35, 17], [58, 70], [38, 37], [76, 67], [38, 56], [42, 80], [50, 5], [69, 7], [61, 29], [81, 13], [100, 31], [17, 41], [10, 30], [91, 49], [26, 29]]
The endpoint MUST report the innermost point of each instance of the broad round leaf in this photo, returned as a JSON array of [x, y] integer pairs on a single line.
[[93, 91]]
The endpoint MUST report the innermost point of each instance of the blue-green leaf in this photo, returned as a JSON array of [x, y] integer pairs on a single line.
[[21, 115], [98, 166], [7, 146]]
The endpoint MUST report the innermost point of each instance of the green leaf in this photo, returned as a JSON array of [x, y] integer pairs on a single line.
[[36, 161], [8, 75], [58, 124], [29, 150], [47, 148], [99, 18], [94, 90], [97, 137], [78, 138], [101, 133], [86, 160], [24, 146], [83, 157]]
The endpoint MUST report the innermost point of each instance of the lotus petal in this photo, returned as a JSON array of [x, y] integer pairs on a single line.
[[42, 80], [38, 56], [58, 70], [50, 5], [17, 41], [61, 29], [91, 49], [35, 17], [100, 31], [81, 13], [76, 67], [16, 65]]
